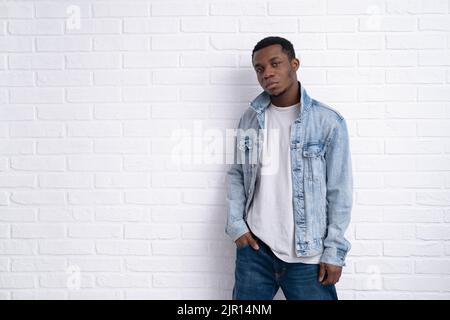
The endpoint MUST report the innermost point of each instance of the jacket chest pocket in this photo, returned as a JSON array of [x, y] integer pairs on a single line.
[[246, 150], [313, 155]]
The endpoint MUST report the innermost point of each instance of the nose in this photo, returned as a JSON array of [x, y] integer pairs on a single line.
[[268, 72]]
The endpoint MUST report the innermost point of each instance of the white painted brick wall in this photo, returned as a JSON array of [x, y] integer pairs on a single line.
[[93, 91]]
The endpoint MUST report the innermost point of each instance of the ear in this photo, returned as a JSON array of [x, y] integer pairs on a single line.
[[295, 63]]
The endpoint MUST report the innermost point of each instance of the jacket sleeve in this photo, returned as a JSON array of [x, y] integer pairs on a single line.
[[236, 197], [339, 180]]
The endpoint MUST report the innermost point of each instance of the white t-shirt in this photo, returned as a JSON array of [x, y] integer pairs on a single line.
[[271, 214]]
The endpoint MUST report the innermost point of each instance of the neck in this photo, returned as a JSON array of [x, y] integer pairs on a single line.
[[289, 97]]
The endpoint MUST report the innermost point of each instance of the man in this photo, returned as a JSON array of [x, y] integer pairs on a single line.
[[290, 192]]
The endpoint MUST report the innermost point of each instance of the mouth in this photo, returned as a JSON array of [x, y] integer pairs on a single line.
[[271, 85]]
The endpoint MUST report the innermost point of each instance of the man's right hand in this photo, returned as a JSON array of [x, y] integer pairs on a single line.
[[245, 239]]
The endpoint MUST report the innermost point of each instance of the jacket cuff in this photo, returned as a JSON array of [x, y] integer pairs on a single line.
[[333, 256], [237, 229]]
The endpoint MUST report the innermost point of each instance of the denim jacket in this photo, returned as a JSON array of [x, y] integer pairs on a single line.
[[322, 181]]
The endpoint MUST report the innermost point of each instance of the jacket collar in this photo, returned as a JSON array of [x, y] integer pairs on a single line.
[[262, 101]]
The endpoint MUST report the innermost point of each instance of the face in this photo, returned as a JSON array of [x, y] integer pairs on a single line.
[[274, 71]]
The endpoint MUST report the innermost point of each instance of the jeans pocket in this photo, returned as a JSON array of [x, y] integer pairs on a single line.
[[243, 247]]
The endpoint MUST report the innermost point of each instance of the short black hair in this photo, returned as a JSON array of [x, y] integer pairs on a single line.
[[286, 46]]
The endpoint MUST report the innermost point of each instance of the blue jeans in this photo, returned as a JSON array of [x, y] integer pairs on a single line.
[[259, 274]]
